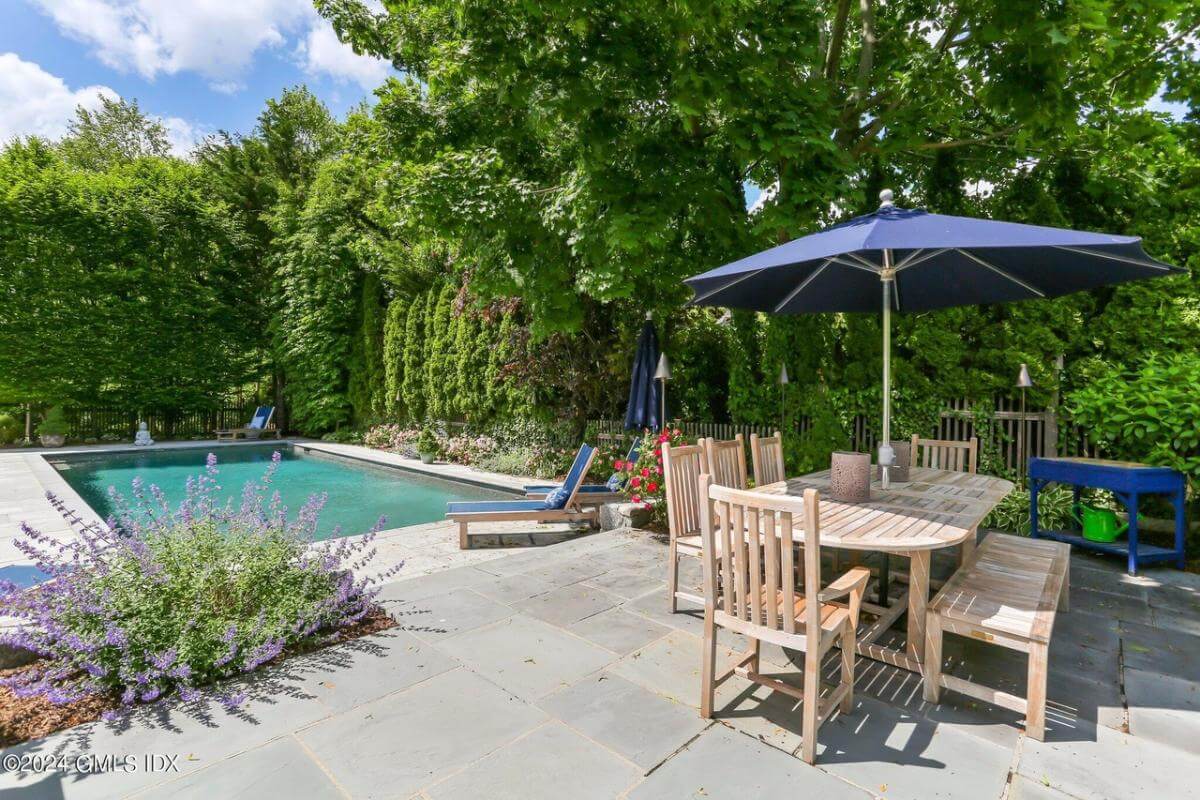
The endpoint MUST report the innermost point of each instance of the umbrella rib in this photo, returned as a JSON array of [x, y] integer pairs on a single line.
[[724, 286], [1001, 272], [803, 284], [912, 259], [873, 267], [865, 266], [1112, 256]]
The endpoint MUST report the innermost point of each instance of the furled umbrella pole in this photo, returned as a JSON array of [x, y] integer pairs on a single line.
[[898, 259]]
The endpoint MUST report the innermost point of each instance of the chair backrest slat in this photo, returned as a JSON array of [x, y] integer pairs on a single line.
[[766, 456], [747, 539], [727, 461], [682, 467], [945, 454]]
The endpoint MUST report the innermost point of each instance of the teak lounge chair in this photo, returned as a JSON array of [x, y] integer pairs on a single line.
[[259, 424], [561, 505], [589, 493]]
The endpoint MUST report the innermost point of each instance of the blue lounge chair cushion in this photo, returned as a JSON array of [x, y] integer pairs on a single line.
[[557, 498], [614, 483], [489, 506], [261, 415]]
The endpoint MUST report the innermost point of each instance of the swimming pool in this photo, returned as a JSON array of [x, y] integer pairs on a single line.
[[359, 493]]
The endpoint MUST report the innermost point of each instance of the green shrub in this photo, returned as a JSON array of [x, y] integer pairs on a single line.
[[10, 428], [1012, 513], [427, 442], [344, 436], [1146, 415], [54, 423]]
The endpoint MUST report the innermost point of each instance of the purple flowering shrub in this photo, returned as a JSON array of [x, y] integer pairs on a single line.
[[166, 600]]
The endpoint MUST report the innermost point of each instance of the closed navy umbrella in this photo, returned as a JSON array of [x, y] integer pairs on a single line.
[[911, 260], [643, 409]]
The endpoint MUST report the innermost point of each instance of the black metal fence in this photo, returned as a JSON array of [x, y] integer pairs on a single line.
[[122, 423]]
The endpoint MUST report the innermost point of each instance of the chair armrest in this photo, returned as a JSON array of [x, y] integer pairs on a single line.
[[855, 577], [854, 583]]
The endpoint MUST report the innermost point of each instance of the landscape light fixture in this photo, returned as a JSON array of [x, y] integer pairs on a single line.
[[663, 374]]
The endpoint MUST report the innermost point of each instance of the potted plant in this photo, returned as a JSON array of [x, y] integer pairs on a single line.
[[427, 445], [53, 429]]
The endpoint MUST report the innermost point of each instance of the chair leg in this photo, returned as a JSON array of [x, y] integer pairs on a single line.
[[464, 542], [708, 665], [933, 658], [1064, 596], [848, 668], [1035, 699], [811, 704], [757, 647], [673, 575]]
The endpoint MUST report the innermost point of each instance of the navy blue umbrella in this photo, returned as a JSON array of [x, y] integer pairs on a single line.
[[643, 408], [911, 260]]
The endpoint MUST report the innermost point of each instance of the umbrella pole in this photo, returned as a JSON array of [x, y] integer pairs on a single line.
[[886, 455]]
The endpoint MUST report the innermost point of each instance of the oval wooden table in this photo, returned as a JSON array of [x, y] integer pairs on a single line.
[[935, 508]]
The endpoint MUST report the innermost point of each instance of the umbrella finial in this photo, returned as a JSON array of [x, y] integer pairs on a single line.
[[885, 198]]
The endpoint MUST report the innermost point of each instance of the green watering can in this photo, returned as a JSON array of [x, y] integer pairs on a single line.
[[1099, 524]]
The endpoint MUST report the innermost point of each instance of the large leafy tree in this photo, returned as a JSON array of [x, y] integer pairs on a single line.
[[594, 150]]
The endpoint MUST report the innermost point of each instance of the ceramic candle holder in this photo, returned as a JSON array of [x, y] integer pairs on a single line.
[[899, 470], [850, 477]]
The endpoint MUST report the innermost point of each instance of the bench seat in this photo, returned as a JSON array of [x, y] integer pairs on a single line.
[[1007, 593]]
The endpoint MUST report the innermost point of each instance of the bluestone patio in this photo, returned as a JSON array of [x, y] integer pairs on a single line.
[[557, 672]]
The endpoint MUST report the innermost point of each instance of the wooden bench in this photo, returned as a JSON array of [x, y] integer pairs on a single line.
[[1007, 594]]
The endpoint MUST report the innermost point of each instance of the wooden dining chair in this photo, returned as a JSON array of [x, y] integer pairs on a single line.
[[746, 539], [766, 456], [953, 455], [950, 454], [727, 461], [682, 468]]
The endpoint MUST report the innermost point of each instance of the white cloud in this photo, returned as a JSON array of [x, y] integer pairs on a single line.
[[183, 135], [214, 38], [321, 53], [35, 103], [217, 39]]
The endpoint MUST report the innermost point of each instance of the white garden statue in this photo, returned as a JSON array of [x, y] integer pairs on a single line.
[[143, 435]]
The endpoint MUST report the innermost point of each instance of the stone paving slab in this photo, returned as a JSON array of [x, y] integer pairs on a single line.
[[1105, 764], [640, 725], [406, 741], [568, 604], [902, 756], [1163, 651], [526, 656], [553, 761], [281, 768], [722, 763], [449, 614], [1163, 709], [618, 630]]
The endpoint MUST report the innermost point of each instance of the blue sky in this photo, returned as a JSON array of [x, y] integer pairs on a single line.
[[199, 65]]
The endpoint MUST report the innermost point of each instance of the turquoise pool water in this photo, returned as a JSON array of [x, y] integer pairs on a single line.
[[359, 493]]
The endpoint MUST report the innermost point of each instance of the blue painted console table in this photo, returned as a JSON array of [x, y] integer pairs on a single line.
[[1127, 481]]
